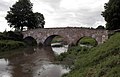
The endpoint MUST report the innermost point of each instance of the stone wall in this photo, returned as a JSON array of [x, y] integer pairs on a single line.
[[70, 35]]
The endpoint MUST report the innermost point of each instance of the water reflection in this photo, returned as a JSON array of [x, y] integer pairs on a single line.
[[4, 68], [50, 70], [32, 62], [59, 50]]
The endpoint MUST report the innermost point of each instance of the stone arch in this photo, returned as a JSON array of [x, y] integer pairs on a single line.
[[49, 39], [30, 40], [88, 37]]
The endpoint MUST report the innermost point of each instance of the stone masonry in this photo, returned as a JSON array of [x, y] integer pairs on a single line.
[[70, 35]]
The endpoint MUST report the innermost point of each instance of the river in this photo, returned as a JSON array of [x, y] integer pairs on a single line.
[[33, 62]]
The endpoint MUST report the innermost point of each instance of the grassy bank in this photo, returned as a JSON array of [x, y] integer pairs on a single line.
[[11, 40], [7, 45], [100, 61]]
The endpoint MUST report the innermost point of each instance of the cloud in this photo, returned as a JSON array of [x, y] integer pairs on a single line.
[[4, 7], [62, 13], [59, 13], [79, 4], [86, 12]]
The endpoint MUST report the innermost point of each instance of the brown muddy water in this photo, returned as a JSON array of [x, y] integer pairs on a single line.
[[33, 62]]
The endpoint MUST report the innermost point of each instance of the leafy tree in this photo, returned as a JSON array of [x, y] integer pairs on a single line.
[[112, 14], [100, 27], [21, 15], [39, 20]]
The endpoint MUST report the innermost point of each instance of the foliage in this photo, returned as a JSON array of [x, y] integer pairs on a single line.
[[6, 45], [10, 35], [88, 41], [11, 40], [39, 20], [70, 56], [112, 14], [17, 36], [100, 61], [57, 39], [21, 15], [100, 27]]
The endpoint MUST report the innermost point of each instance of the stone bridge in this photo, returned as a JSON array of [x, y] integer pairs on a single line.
[[70, 35]]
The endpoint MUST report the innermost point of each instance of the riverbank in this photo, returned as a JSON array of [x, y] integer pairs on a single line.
[[100, 61], [7, 45], [11, 40]]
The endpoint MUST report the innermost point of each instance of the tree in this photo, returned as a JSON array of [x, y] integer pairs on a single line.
[[100, 27], [112, 14], [21, 15], [39, 20]]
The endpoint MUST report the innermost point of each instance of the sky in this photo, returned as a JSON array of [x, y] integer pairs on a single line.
[[61, 13]]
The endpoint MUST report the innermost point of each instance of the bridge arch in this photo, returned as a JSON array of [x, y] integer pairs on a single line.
[[30, 40], [49, 39], [71, 35], [87, 40]]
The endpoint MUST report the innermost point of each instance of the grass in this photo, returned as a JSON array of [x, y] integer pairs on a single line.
[[100, 61], [69, 57], [11, 40], [57, 39], [88, 41], [7, 45]]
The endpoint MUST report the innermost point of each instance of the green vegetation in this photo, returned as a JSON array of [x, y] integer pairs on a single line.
[[69, 57], [10, 35], [100, 61], [6, 45], [88, 41], [57, 39], [11, 40], [100, 27], [112, 14]]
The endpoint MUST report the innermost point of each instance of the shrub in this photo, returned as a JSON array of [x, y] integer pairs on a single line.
[[10, 35], [6, 45]]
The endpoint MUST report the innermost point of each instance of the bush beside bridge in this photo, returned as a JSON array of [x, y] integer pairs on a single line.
[[6, 45], [11, 40]]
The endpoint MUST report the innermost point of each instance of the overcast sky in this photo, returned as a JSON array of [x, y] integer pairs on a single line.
[[62, 13]]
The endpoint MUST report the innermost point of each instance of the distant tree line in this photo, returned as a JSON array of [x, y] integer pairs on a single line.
[[100, 27], [21, 15]]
